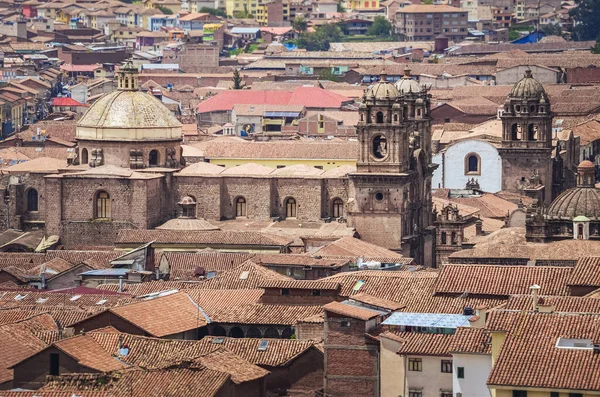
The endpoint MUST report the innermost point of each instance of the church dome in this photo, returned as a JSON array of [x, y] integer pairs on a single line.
[[578, 201], [382, 90], [585, 164], [408, 85], [527, 88], [128, 114]]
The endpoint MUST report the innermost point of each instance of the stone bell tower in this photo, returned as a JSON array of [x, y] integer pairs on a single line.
[[526, 149], [391, 206]]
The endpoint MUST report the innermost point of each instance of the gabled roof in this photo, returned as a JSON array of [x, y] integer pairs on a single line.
[[507, 280], [421, 344], [248, 275], [163, 316], [346, 310]]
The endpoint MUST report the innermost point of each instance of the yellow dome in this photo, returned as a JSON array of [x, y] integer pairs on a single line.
[[382, 90], [128, 115]]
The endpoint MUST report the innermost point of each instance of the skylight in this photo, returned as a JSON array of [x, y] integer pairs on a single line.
[[102, 301], [74, 298], [41, 300], [20, 297], [217, 341], [572, 343], [244, 275], [262, 346]]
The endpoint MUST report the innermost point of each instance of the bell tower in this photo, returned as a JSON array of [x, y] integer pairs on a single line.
[[128, 77], [526, 149], [391, 206]]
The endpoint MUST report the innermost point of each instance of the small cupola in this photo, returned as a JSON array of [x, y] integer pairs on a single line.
[[128, 77]]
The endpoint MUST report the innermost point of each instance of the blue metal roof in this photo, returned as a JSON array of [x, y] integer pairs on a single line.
[[107, 272], [433, 320]]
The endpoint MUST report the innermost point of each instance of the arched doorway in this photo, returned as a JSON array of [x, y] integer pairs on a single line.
[[240, 207], [338, 208], [84, 156], [102, 205]]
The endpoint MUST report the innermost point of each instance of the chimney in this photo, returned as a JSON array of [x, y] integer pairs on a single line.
[[545, 308], [478, 227], [480, 316], [120, 283], [535, 290], [596, 348]]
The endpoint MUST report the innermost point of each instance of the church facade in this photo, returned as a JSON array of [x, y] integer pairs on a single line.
[[130, 175]]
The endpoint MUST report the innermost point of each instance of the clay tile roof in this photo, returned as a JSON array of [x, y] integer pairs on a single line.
[[561, 304], [586, 272], [266, 314], [421, 344], [216, 237], [39, 165], [354, 246], [529, 356], [300, 260], [183, 265], [214, 300], [468, 340], [248, 275], [301, 284], [167, 315], [377, 302], [279, 352], [351, 311], [89, 353], [241, 370], [508, 280]]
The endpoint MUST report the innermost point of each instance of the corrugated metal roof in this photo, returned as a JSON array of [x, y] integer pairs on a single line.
[[428, 320]]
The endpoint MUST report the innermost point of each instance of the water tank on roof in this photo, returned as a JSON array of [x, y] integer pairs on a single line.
[[440, 44]]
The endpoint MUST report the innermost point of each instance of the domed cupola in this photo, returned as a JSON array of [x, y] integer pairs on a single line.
[[407, 85], [583, 200], [528, 88], [383, 90]]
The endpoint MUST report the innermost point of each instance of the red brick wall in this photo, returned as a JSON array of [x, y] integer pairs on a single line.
[[104, 320]]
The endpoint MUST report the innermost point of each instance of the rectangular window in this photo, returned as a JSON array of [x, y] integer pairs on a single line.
[[575, 394], [54, 364], [345, 324], [460, 372], [316, 292], [415, 364], [415, 394], [519, 393], [447, 366], [554, 394], [446, 394], [285, 291]]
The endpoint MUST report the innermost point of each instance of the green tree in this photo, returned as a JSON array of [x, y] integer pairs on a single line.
[[320, 39], [380, 27], [596, 48], [165, 10], [238, 82], [428, 2], [586, 14], [551, 30], [213, 11], [340, 7], [327, 74], [300, 24]]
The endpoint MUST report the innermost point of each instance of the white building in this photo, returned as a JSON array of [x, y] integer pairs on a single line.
[[467, 159]]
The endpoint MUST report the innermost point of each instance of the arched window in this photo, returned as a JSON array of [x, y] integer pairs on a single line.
[[240, 206], [472, 164], [271, 333], [580, 231], [290, 208], [188, 207], [418, 112], [453, 238], [236, 332], [218, 331], [444, 240], [379, 117], [102, 205], [515, 131], [287, 333], [253, 332], [395, 117], [32, 200], [532, 132], [84, 156], [153, 158], [380, 146], [338, 208]]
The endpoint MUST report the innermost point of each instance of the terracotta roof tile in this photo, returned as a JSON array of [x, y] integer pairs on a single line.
[[89, 353], [529, 356], [421, 344], [351, 311], [377, 302], [508, 280], [167, 315], [469, 340], [561, 304], [216, 237], [183, 265], [265, 314], [301, 284], [279, 352], [355, 247], [586, 272], [248, 275]]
